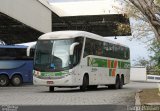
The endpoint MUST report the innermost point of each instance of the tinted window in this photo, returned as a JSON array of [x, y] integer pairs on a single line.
[[13, 54], [93, 47], [150, 77], [100, 48]]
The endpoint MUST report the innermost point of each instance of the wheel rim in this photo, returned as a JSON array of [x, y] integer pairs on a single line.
[[17, 80], [3, 81]]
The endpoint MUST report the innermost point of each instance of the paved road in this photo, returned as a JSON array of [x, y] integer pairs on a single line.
[[67, 99], [39, 95]]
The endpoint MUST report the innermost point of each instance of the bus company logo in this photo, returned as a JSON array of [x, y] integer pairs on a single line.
[[92, 62]]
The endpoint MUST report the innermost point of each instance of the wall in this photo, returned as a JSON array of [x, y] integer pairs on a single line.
[[29, 12], [138, 74]]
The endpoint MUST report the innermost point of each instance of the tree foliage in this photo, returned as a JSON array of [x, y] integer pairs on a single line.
[[141, 62], [151, 13], [155, 48], [148, 13]]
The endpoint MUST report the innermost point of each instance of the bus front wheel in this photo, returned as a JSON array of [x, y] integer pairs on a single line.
[[85, 83], [4, 80], [16, 80]]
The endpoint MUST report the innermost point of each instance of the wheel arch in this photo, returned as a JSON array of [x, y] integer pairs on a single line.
[[118, 75], [5, 75], [85, 74]]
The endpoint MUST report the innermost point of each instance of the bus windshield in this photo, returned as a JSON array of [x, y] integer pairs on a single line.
[[52, 55]]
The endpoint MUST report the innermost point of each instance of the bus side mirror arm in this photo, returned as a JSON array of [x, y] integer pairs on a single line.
[[72, 47]]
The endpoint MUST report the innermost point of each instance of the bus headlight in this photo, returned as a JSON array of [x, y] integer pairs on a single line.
[[37, 73]]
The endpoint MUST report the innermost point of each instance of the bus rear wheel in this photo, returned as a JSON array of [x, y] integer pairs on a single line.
[[16, 80], [51, 88], [116, 85], [121, 82], [85, 83], [4, 80]]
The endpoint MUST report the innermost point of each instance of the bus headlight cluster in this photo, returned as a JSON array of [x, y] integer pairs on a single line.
[[37, 73]]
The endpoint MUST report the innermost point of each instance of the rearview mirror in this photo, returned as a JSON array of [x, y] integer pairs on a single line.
[[29, 48], [72, 47]]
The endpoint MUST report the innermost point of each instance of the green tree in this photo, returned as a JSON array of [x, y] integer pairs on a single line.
[[155, 48]]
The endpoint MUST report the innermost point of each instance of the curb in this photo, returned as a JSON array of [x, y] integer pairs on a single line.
[[137, 99]]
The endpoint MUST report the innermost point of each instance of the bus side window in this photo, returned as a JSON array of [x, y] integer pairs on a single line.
[[116, 51], [121, 53], [92, 47], [99, 52], [127, 53], [77, 55], [106, 49], [110, 50], [77, 51], [88, 49], [2, 54]]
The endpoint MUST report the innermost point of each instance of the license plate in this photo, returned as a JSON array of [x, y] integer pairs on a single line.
[[49, 82]]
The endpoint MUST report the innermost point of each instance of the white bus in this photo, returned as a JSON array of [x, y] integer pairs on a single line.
[[80, 59]]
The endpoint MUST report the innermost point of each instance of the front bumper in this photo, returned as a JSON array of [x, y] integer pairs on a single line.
[[66, 81]]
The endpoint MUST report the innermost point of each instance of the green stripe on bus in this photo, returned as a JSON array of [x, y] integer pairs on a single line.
[[112, 64], [96, 62], [52, 74]]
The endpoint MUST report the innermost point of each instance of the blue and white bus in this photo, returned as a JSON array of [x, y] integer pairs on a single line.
[[15, 66]]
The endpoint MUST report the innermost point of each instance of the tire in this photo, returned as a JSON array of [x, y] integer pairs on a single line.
[[85, 83], [16, 80], [121, 83], [116, 85], [51, 88], [4, 80]]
